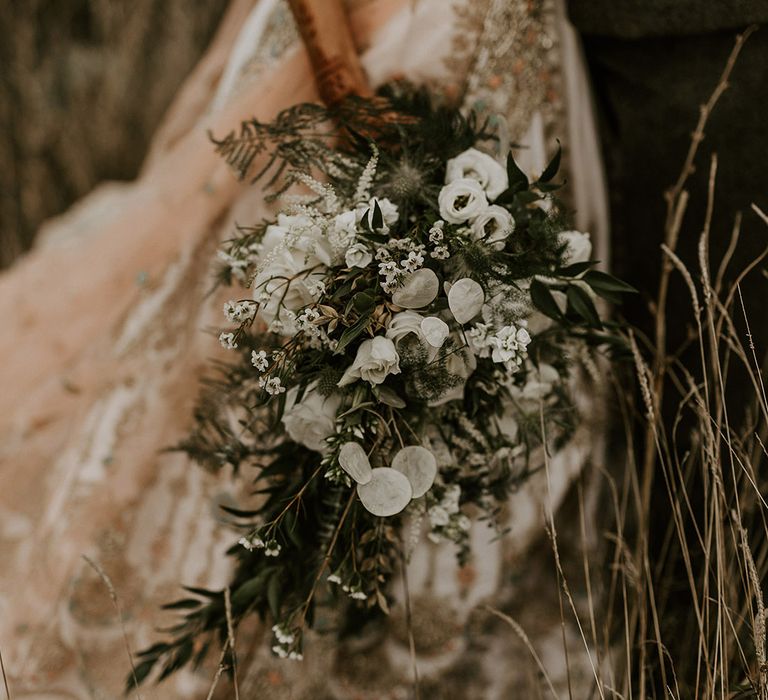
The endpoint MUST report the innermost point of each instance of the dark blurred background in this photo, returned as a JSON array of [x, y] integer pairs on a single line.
[[83, 85]]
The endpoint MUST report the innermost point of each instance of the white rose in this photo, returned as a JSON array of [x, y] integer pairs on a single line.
[[343, 230], [578, 247], [479, 166], [376, 359], [312, 420], [461, 200], [493, 225], [388, 209], [358, 255]]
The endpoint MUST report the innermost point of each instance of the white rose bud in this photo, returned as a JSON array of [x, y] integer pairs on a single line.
[[358, 255], [376, 359], [461, 200], [312, 420], [578, 247], [493, 225], [476, 165]]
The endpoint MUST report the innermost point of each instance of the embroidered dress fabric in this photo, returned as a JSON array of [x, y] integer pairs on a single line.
[[104, 346]]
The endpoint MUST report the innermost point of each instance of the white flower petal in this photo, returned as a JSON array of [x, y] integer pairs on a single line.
[[465, 299], [435, 330], [418, 290], [354, 461], [419, 466], [387, 493]]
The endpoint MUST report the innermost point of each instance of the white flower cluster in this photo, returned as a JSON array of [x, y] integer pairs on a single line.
[[473, 179], [272, 385], [436, 236], [254, 541], [227, 340], [508, 345], [318, 336], [446, 519], [352, 589], [288, 642], [239, 311], [389, 269]]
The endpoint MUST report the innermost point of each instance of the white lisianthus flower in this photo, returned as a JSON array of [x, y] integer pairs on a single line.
[[312, 420], [578, 247], [461, 200], [358, 255], [376, 359], [493, 225], [476, 165]]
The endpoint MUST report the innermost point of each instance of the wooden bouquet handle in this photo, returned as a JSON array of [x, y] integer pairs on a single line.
[[324, 27]]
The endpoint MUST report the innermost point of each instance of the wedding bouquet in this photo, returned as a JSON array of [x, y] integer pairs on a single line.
[[413, 316]]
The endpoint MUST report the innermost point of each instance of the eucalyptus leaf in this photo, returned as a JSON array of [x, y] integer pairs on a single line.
[[387, 493], [354, 461], [435, 330], [419, 466], [418, 290], [465, 299]]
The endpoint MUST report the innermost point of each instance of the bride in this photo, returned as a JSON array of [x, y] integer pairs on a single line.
[[105, 343]]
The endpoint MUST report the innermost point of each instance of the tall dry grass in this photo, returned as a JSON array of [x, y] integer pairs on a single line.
[[675, 604]]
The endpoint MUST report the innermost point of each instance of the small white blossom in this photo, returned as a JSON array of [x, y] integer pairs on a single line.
[[259, 360], [436, 232], [440, 252], [283, 634], [334, 578], [251, 543], [227, 341], [315, 288], [238, 312], [413, 262], [272, 385], [272, 548]]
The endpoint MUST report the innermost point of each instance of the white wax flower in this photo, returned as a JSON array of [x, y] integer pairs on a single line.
[[358, 255], [578, 247], [461, 200], [312, 420], [493, 225], [376, 359], [479, 166]]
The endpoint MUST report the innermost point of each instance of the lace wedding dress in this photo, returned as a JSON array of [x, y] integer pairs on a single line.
[[104, 343]]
